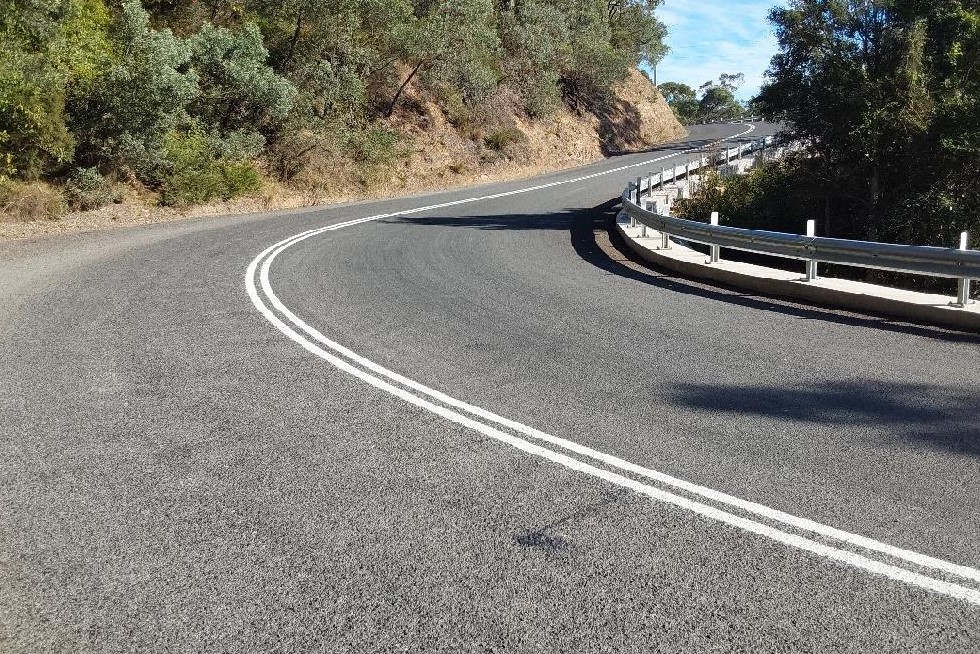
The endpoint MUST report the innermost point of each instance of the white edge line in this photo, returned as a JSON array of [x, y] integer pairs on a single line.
[[804, 524], [761, 510], [850, 558], [857, 560]]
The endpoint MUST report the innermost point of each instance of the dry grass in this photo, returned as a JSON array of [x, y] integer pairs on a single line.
[[22, 202]]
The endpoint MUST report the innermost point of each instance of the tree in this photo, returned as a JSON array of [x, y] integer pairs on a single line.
[[717, 101], [465, 48], [731, 82], [853, 79], [237, 90], [141, 88], [682, 99], [634, 28], [52, 49], [537, 42], [124, 118], [717, 104]]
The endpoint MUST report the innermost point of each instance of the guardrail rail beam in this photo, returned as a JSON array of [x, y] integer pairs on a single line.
[[961, 264]]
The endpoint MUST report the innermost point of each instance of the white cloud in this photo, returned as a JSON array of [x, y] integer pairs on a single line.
[[711, 37]]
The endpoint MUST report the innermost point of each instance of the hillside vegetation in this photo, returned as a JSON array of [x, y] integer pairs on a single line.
[[183, 102], [886, 96]]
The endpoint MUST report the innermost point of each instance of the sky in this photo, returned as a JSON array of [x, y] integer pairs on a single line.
[[711, 37]]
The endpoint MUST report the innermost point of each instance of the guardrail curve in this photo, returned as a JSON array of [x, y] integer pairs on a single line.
[[962, 264]]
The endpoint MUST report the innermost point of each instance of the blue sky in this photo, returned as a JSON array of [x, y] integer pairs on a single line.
[[711, 37]]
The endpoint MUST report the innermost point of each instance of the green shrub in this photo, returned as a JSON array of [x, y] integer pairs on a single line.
[[594, 70], [469, 49], [51, 51], [141, 98], [768, 197], [86, 189], [457, 113], [375, 147], [197, 175], [501, 139], [237, 90], [538, 46], [32, 114]]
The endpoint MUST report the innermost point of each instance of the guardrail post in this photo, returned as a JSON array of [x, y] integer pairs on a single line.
[[636, 195], [663, 176], [811, 266], [963, 294], [715, 249]]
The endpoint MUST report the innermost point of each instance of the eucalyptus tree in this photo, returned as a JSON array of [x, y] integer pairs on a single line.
[[838, 80], [879, 89], [52, 49], [682, 99]]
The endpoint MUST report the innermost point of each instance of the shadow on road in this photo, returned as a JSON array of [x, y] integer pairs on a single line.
[[595, 241], [939, 415]]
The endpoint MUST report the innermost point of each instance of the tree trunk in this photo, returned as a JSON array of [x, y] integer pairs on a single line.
[[826, 216], [401, 89], [874, 276], [293, 40], [875, 187]]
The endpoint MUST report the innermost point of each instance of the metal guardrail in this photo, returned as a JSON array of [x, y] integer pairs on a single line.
[[962, 263], [667, 176]]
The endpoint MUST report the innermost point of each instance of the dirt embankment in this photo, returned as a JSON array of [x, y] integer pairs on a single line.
[[437, 150]]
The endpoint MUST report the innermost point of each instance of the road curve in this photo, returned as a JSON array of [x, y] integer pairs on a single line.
[[468, 422]]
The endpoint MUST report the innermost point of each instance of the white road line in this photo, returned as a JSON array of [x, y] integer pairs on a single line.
[[850, 558], [262, 265]]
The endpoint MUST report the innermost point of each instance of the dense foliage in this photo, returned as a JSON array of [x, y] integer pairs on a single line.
[[712, 102], [186, 97], [886, 93]]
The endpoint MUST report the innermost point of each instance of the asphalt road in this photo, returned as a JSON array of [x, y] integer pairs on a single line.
[[477, 427]]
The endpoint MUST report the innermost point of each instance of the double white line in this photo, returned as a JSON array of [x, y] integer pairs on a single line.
[[902, 565]]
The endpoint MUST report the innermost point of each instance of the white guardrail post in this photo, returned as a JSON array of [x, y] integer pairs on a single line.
[[811, 265], [963, 294], [632, 217], [715, 249], [639, 200]]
